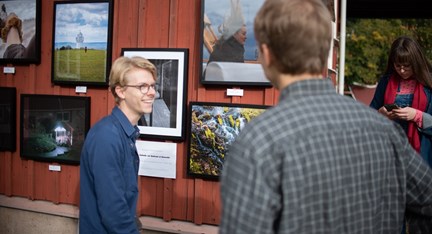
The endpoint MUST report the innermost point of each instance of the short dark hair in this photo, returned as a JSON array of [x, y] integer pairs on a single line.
[[297, 32]]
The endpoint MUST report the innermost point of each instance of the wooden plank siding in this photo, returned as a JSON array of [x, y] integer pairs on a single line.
[[137, 24]]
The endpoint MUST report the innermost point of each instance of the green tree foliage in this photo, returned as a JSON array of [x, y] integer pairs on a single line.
[[368, 43]]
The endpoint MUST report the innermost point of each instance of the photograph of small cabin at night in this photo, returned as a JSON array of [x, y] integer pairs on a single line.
[[53, 127]]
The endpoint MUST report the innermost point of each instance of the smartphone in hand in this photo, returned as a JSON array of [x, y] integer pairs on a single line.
[[390, 107]]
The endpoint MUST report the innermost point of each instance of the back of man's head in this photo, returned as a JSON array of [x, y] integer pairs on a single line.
[[297, 32]]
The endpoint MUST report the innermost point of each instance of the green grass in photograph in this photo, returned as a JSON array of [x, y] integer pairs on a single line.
[[78, 65]]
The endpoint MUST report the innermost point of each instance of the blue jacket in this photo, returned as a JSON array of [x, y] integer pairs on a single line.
[[425, 133], [109, 177]]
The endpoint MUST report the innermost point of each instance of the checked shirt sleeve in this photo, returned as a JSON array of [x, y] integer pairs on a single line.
[[419, 195]]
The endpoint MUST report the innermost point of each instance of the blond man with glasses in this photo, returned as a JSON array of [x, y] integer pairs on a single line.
[[109, 158]]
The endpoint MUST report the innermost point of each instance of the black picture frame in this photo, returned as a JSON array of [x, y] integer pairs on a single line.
[[53, 127], [81, 51], [166, 121], [20, 16], [213, 127], [228, 65], [8, 119]]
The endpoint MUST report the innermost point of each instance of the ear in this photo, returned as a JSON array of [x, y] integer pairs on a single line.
[[267, 58], [120, 92]]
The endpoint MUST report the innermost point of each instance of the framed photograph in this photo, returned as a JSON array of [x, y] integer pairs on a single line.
[[228, 47], [20, 31], [53, 127], [7, 119], [213, 127], [166, 120], [81, 51]]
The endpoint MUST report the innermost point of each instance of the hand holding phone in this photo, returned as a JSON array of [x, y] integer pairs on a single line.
[[390, 107]]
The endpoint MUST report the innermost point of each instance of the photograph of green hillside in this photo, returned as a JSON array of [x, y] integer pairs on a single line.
[[82, 43]]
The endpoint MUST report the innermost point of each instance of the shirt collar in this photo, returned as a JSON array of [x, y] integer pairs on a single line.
[[130, 130], [308, 87]]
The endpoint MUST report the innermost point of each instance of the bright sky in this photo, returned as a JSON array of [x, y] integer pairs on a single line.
[[89, 18], [222, 7], [216, 11], [23, 9]]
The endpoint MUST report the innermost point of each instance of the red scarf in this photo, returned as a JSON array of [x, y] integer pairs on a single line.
[[419, 102]]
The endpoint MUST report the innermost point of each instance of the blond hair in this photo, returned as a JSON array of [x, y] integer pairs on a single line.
[[122, 66]]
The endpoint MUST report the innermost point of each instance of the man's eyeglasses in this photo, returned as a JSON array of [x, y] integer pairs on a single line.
[[144, 88], [406, 67]]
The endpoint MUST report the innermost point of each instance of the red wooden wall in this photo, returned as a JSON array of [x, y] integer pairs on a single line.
[[137, 23]]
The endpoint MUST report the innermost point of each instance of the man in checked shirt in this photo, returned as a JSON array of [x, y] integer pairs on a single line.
[[318, 162]]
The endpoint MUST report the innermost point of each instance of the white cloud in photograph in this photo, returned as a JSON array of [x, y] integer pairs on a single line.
[[23, 9], [91, 19]]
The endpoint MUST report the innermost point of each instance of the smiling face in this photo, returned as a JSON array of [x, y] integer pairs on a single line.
[[134, 103]]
